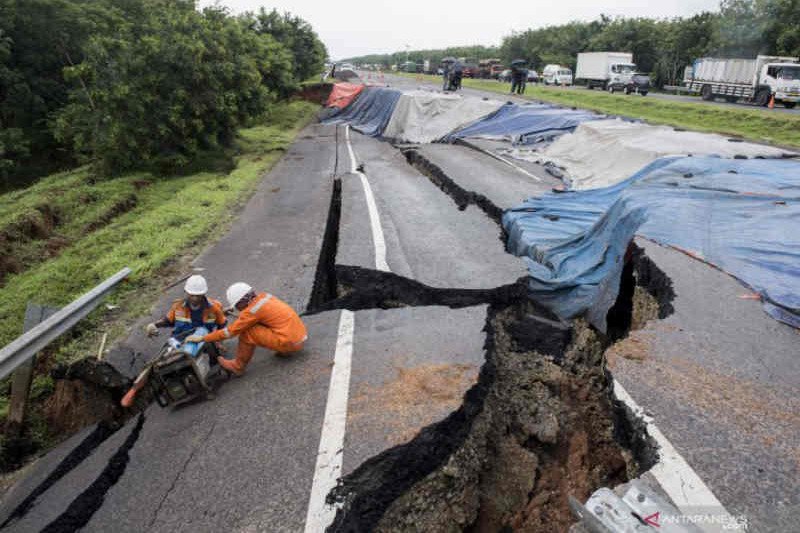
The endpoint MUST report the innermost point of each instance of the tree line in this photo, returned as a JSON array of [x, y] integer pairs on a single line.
[[662, 47], [130, 84]]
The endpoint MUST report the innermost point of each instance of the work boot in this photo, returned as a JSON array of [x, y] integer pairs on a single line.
[[244, 352]]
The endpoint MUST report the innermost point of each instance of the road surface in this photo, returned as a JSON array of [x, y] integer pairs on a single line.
[[719, 377]]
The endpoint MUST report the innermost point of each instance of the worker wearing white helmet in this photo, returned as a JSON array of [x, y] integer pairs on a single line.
[[264, 320], [194, 311]]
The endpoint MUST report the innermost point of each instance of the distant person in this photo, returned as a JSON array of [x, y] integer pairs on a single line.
[[519, 75], [453, 73], [264, 320]]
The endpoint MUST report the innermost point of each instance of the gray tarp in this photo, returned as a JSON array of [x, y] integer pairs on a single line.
[[604, 152], [424, 116]]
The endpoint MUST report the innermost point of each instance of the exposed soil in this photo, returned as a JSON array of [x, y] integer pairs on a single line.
[[86, 392], [120, 207], [533, 430], [315, 92], [34, 225]]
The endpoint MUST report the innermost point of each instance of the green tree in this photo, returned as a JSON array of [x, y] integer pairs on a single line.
[[296, 35], [42, 37], [167, 86]]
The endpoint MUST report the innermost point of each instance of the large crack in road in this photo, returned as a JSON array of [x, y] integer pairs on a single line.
[[540, 425]]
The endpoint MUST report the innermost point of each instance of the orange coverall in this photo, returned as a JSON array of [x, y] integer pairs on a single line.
[[268, 322]]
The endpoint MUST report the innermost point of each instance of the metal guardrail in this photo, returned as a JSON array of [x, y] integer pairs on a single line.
[[28, 344]]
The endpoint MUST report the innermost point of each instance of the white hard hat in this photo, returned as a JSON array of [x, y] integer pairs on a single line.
[[236, 292], [196, 285]]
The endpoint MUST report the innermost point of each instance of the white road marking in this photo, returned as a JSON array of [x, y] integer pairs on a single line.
[[673, 473], [331, 443], [374, 218], [507, 162]]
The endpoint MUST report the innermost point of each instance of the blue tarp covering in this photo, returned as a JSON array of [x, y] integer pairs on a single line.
[[742, 216], [525, 124], [369, 112]]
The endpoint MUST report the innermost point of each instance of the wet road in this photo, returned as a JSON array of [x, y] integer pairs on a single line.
[[248, 460], [718, 375]]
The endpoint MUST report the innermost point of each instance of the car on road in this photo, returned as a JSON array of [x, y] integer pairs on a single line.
[[556, 75], [470, 70], [639, 84], [505, 75], [533, 76]]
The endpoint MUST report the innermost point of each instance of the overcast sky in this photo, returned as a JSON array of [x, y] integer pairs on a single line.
[[358, 27]]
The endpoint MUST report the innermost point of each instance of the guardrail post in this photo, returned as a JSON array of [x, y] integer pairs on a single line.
[[23, 375]]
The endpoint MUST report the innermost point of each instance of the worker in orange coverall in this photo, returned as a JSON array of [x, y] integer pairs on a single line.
[[264, 320]]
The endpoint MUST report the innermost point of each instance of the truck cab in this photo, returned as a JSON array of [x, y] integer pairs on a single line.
[[783, 79]]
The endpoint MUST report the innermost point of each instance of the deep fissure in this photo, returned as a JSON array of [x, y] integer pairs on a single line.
[[543, 405], [363, 288], [460, 196], [325, 284], [84, 449], [82, 508]]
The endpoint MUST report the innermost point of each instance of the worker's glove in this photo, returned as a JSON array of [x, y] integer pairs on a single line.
[[151, 329], [194, 338]]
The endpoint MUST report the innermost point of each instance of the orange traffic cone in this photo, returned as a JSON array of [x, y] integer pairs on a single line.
[[771, 102]]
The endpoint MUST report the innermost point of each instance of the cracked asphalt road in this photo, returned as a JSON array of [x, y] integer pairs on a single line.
[[718, 375]]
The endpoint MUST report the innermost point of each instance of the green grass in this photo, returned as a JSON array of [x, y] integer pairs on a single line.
[[173, 216], [755, 124]]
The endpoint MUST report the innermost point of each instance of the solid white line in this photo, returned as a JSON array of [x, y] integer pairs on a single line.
[[673, 473], [372, 208], [331, 444], [518, 168]]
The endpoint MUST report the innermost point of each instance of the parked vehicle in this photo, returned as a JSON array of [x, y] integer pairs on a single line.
[[754, 80], [556, 75], [533, 76], [485, 67], [505, 75], [470, 70], [607, 70], [496, 71], [639, 84]]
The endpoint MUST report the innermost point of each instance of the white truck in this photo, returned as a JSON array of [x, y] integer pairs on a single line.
[[608, 70], [556, 75], [755, 80]]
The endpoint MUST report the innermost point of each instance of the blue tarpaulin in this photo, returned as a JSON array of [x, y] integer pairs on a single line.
[[743, 216], [369, 112], [525, 124]]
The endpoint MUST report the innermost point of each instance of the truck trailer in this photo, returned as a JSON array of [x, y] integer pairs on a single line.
[[608, 70], [754, 80]]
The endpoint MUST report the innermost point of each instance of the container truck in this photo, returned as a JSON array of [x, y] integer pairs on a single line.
[[756, 80], [608, 70]]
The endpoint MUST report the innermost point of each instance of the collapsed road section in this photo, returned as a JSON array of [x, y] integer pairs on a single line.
[[539, 425]]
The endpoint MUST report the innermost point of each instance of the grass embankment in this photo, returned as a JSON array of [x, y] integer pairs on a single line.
[[70, 231], [756, 124]]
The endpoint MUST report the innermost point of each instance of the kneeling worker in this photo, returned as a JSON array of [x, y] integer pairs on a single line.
[[194, 311], [264, 321]]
